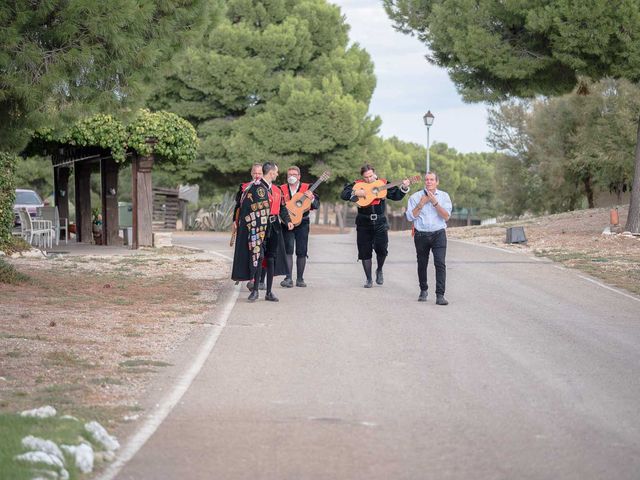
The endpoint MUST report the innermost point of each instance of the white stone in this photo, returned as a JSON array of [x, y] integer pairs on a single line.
[[162, 239], [40, 457], [101, 436], [69, 417], [83, 455], [131, 418], [36, 444], [42, 412]]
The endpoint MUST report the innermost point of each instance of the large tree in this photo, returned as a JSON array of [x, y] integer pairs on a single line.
[[276, 80], [63, 59], [495, 49]]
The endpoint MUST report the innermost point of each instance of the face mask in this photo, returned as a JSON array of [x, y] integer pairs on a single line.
[[292, 180]]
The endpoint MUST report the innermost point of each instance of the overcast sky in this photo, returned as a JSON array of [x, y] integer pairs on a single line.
[[408, 85]]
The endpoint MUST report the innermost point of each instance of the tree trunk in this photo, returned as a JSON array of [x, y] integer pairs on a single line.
[[633, 219], [325, 213], [588, 189]]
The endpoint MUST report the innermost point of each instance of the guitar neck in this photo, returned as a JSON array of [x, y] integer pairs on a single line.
[[390, 185], [316, 184]]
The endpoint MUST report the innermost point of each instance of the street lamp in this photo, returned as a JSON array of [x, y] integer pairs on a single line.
[[428, 121]]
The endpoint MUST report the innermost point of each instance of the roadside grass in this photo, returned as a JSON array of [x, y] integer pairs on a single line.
[[13, 428], [619, 270], [143, 363], [11, 276]]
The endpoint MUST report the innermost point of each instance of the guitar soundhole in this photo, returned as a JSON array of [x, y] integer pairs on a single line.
[[376, 191], [298, 203]]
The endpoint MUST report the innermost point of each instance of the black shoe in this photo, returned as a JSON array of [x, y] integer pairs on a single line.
[[423, 296], [300, 283], [440, 300], [270, 297], [262, 286], [253, 296], [379, 277], [368, 284], [250, 286], [287, 283]]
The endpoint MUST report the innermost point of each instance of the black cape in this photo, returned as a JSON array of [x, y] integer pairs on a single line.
[[253, 223]]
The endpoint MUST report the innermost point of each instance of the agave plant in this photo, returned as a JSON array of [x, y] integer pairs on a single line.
[[218, 217]]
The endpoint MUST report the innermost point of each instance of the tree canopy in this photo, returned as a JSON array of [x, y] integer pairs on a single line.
[[275, 81], [61, 60], [494, 50]]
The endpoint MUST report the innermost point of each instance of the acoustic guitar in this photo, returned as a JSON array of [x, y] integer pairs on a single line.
[[378, 189], [300, 203]]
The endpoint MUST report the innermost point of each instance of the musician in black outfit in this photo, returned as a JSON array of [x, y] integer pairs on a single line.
[[371, 222], [299, 236]]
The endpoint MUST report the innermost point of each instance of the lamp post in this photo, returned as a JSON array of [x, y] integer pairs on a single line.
[[428, 121]]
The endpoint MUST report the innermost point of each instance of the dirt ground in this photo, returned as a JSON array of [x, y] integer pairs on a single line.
[[574, 239], [87, 334]]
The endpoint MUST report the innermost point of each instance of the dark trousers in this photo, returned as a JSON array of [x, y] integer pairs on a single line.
[[372, 236], [298, 237], [435, 242]]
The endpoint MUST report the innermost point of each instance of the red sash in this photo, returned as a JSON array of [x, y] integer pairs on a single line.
[[377, 200], [275, 199], [286, 192]]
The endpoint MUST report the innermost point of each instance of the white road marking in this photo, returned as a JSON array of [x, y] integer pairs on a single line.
[[183, 383]]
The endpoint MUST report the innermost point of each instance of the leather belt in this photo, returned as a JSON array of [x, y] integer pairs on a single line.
[[419, 233], [272, 218]]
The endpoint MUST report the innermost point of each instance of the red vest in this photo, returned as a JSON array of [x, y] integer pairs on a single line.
[[377, 200], [285, 190], [275, 199]]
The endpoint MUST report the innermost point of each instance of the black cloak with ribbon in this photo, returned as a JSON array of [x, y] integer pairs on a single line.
[[254, 229]]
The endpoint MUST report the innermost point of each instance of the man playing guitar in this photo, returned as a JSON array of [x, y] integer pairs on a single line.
[[371, 222], [300, 234]]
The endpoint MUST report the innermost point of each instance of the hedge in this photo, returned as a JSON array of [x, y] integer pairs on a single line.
[[7, 196]]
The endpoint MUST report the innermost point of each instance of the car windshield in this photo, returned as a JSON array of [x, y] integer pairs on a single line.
[[27, 198]]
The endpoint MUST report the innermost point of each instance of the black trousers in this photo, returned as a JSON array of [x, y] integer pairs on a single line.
[[298, 237], [372, 236], [435, 242]]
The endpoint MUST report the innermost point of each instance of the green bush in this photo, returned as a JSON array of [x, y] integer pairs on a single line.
[[7, 196], [8, 274]]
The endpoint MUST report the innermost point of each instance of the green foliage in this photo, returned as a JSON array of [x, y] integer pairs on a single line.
[[495, 50], [7, 196], [274, 81], [61, 60], [9, 275], [575, 146], [175, 139]]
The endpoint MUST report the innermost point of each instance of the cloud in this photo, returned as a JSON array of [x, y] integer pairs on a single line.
[[408, 85]]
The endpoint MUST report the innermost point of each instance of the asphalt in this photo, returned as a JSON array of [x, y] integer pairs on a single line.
[[531, 372]]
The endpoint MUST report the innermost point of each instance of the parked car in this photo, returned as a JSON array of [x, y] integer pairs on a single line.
[[26, 199]]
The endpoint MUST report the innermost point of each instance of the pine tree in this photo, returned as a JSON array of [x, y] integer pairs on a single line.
[[275, 81], [63, 59], [494, 49]]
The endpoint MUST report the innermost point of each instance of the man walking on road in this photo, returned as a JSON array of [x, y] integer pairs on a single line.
[[429, 209], [371, 222], [299, 236]]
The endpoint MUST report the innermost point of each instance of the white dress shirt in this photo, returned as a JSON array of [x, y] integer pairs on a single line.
[[428, 220]]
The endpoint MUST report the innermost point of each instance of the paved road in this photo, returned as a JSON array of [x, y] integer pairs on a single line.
[[530, 373]]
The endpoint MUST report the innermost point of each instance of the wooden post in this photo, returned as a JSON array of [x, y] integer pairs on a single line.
[[82, 175], [61, 191], [109, 184], [143, 207]]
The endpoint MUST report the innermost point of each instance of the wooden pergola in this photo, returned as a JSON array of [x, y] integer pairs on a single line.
[[86, 160]]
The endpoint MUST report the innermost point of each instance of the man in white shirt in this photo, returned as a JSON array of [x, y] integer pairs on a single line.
[[429, 209]]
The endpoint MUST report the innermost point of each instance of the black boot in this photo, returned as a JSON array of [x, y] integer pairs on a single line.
[[270, 297], [263, 274], [423, 296], [253, 296], [380, 261], [301, 263], [366, 265]]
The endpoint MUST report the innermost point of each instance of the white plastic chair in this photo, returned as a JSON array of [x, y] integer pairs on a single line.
[[40, 230], [51, 214]]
